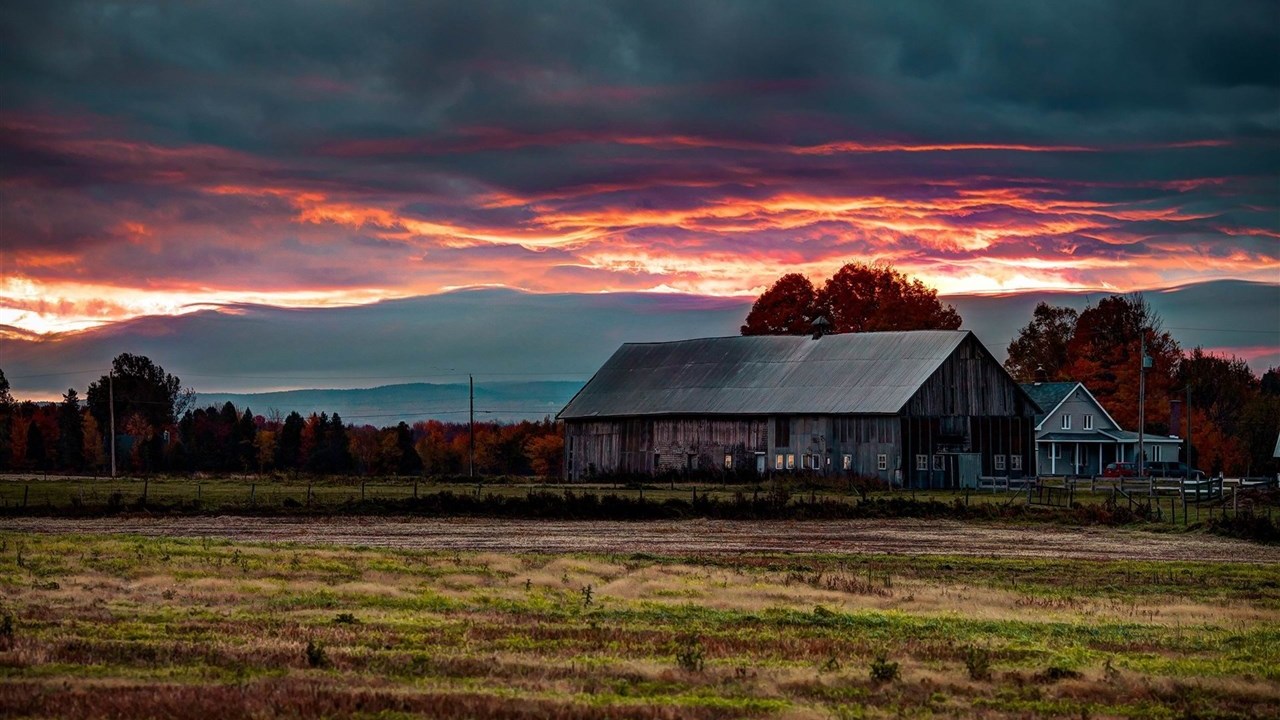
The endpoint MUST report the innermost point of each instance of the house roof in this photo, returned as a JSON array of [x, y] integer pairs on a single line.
[[1049, 395], [1129, 436], [863, 373]]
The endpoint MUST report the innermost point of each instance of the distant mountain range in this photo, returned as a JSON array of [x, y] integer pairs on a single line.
[[410, 402], [507, 336]]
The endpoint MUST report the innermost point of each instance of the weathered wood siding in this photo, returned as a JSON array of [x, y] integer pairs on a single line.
[[970, 382], [655, 445]]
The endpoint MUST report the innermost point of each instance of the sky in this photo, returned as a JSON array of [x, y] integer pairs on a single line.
[[164, 158]]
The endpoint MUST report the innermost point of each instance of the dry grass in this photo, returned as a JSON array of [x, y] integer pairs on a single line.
[[126, 627]]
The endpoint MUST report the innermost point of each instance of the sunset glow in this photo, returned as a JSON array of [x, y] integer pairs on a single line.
[[170, 180]]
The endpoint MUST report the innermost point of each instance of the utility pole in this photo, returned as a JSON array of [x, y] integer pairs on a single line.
[[111, 403], [1188, 457], [471, 424], [1142, 402]]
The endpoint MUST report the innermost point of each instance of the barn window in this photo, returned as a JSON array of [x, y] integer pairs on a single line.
[[999, 462], [848, 461], [1088, 422], [728, 461], [882, 461], [791, 461], [937, 462], [1015, 462], [782, 432], [777, 461], [922, 462], [657, 460], [1066, 421]]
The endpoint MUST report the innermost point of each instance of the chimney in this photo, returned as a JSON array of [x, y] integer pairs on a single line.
[[1041, 375], [821, 326]]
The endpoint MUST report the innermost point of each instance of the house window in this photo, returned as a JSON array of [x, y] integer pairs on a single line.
[[922, 462], [782, 432], [999, 460], [848, 461], [1066, 422], [777, 461], [1088, 422], [937, 462], [882, 461], [728, 461], [1155, 452], [1015, 462], [791, 461]]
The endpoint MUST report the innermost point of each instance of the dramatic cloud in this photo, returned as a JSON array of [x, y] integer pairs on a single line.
[[163, 158]]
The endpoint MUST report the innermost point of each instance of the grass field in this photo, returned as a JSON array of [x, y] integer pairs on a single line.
[[97, 627]]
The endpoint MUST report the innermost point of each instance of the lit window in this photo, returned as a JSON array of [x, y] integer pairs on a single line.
[[777, 461], [999, 462], [791, 461], [1088, 422], [922, 462], [1066, 422], [1015, 462], [882, 462], [728, 461], [848, 461]]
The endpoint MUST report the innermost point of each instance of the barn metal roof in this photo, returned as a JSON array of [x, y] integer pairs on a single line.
[[868, 373]]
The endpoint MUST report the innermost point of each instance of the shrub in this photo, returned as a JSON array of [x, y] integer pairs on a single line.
[[690, 656], [346, 619], [316, 656], [978, 662], [6, 632], [882, 670]]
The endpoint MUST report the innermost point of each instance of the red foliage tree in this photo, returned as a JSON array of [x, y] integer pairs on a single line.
[[787, 308], [865, 298]]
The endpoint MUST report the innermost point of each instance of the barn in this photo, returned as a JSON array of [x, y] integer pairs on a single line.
[[927, 409]]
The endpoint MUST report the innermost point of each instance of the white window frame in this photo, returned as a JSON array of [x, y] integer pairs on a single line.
[[938, 465], [791, 461], [922, 462], [728, 461], [1015, 462], [1066, 421], [999, 461], [777, 461], [847, 461], [1088, 422], [1155, 453], [882, 461]]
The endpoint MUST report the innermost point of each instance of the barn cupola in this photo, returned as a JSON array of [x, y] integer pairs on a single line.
[[1041, 375], [821, 326]]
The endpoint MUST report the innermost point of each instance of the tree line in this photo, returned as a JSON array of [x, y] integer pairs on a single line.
[[159, 431], [1234, 413]]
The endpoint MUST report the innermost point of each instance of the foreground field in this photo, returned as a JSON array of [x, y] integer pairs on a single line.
[[668, 537], [124, 626]]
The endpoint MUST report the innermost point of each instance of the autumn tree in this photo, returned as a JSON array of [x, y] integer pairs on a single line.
[[143, 389], [1043, 344], [787, 308], [546, 454], [1105, 356], [867, 298], [7, 410]]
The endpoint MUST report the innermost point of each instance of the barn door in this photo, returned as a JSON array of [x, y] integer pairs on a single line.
[[968, 468]]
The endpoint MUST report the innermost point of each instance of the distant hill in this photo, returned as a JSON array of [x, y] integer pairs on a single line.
[[390, 404]]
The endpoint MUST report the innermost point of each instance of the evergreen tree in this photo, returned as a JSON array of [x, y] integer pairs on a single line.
[[70, 433], [289, 445]]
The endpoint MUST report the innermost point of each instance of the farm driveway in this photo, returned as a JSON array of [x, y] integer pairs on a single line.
[[678, 537]]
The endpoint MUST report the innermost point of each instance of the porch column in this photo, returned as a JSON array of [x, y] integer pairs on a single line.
[[1053, 458], [1099, 458], [1075, 466]]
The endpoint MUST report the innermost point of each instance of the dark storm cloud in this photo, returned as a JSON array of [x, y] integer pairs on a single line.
[[404, 148]]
